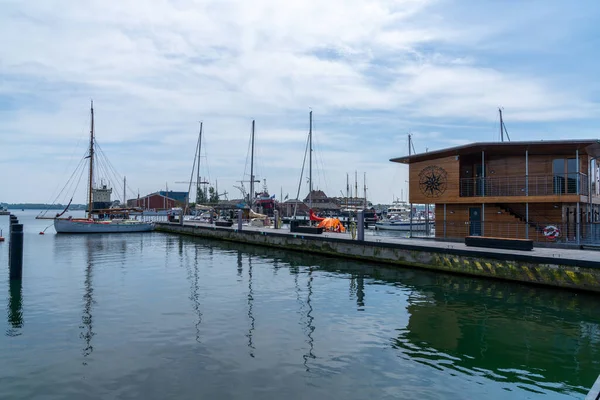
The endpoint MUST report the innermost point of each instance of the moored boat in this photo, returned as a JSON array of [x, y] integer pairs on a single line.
[[398, 218], [100, 219], [71, 225]]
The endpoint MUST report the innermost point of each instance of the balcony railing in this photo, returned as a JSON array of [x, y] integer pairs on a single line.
[[534, 185], [548, 232]]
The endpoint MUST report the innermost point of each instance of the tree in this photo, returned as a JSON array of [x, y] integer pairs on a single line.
[[213, 195], [201, 196]]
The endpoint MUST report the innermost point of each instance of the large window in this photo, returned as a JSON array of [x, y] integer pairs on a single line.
[[565, 178]]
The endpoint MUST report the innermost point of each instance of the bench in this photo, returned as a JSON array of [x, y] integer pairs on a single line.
[[297, 226], [306, 229], [499, 243], [224, 223]]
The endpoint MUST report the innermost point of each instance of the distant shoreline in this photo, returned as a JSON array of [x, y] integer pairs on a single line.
[[34, 206]]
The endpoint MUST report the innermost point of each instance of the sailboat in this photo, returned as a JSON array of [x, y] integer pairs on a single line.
[[257, 219], [101, 197], [401, 217], [330, 224]]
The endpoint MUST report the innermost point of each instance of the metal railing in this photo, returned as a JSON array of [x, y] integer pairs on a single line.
[[542, 233], [533, 185]]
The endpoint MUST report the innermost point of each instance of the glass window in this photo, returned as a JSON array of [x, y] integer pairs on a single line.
[[572, 165], [572, 175], [558, 168]]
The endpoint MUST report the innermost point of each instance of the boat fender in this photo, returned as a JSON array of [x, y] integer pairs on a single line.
[[353, 230]]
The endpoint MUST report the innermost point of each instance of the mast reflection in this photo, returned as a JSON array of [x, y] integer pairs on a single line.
[[87, 332], [239, 264], [309, 318], [250, 304], [194, 295]]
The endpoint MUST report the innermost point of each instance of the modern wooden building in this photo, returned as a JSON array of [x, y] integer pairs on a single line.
[[547, 191]]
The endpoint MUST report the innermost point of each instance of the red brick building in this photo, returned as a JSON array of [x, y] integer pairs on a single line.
[[160, 200]]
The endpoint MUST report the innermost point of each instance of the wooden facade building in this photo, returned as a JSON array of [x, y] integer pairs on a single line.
[[545, 190]]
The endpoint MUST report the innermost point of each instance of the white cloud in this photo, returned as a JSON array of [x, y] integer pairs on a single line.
[[370, 69]]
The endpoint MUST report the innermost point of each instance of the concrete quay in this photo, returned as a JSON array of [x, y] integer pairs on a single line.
[[565, 268]]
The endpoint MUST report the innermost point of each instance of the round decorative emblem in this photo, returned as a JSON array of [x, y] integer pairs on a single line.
[[433, 181]]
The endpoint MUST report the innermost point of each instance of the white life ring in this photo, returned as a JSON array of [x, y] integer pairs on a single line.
[[551, 232]]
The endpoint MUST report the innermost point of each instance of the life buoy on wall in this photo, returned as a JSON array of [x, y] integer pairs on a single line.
[[551, 232]]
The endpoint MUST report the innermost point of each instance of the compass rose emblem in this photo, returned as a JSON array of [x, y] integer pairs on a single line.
[[433, 181]]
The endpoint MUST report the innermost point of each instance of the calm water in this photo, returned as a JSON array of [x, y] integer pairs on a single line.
[[141, 316]]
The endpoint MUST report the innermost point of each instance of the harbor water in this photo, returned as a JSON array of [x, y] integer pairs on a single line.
[[157, 316]]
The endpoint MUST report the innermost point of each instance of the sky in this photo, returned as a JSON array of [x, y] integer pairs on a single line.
[[370, 70]]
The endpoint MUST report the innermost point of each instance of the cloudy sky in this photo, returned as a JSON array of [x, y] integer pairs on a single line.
[[371, 71]]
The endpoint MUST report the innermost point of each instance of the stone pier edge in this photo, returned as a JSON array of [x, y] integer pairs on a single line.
[[571, 274]]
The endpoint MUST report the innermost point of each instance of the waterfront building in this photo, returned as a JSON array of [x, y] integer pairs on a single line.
[[160, 200], [546, 191], [288, 207], [321, 203]]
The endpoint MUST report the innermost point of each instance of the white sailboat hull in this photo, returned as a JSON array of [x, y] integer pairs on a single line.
[[82, 226], [403, 225]]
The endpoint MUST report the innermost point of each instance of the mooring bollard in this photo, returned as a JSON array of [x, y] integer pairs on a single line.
[[181, 218], [239, 220], [276, 218], [16, 252], [360, 225]]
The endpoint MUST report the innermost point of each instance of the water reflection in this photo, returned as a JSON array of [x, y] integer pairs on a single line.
[[250, 304], [194, 295], [240, 267], [15, 308], [507, 339], [534, 338], [357, 289], [310, 321], [87, 333]]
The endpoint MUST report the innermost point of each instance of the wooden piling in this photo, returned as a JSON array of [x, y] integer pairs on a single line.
[[16, 252]]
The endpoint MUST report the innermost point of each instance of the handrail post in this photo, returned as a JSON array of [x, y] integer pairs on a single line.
[[482, 192], [527, 194], [594, 392], [578, 217]]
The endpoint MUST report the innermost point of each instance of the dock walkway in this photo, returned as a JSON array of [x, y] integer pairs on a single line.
[[568, 268]]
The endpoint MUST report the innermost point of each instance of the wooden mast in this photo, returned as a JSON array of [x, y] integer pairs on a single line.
[[90, 205], [198, 166], [251, 196], [310, 150], [501, 127]]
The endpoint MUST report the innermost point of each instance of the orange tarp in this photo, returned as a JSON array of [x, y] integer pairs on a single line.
[[332, 224]]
